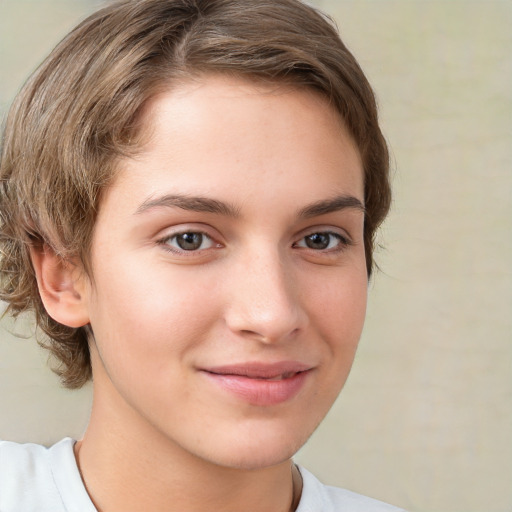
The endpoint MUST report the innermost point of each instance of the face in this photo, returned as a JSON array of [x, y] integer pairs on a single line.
[[229, 272]]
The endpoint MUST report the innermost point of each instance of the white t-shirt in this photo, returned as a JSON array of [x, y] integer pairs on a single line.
[[38, 479]]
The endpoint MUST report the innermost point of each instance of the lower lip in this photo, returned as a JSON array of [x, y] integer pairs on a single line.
[[261, 392]]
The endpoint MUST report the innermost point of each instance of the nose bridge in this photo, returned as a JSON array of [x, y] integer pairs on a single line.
[[264, 299]]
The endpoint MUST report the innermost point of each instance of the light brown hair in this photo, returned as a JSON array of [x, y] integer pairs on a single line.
[[79, 112]]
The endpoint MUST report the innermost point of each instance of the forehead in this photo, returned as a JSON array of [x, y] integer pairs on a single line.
[[219, 135]]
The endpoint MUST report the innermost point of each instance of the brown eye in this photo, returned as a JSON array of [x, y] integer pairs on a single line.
[[318, 240], [188, 241], [323, 241]]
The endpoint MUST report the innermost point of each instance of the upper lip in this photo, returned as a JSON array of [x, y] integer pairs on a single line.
[[259, 370]]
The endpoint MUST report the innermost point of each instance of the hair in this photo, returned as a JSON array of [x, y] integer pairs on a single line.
[[80, 112]]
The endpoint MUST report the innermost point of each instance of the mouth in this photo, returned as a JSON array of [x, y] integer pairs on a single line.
[[278, 377], [261, 384], [263, 371]]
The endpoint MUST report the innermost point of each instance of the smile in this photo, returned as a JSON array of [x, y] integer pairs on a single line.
[[261, 384]]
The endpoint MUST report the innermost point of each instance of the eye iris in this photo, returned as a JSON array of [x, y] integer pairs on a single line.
[[318, 241], [189, 241]]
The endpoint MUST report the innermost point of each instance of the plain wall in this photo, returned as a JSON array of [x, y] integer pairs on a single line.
[[425, 420]]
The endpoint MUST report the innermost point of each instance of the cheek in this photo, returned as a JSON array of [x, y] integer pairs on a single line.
[[338, 307], [147, 311]]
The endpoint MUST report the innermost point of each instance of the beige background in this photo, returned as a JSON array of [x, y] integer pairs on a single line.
[[425, 421]]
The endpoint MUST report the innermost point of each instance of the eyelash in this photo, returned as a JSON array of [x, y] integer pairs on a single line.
[[165, 242], [343, 242]]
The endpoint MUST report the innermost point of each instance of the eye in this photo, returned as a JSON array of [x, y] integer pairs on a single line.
[[323, 241], [188, 241]]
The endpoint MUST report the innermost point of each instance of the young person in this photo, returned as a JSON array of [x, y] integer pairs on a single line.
[[190, 193]]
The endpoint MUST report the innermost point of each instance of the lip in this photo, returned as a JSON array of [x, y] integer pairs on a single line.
[[261, 384]]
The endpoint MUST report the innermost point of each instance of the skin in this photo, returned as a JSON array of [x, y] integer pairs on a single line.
[[254, 291]]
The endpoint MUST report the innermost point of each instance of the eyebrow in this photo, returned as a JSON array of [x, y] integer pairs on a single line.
[[194, 204], [331, 205], [208, 205]]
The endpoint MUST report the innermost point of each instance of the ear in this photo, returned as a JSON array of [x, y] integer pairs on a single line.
[[63, 287]]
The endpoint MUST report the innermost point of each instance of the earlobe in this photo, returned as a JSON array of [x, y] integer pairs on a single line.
[[62, 286]]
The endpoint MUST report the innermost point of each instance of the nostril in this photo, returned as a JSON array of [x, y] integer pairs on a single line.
[[256, 335]]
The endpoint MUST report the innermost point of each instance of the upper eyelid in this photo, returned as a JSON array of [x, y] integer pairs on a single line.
[[341, 232], [178, 233], [179, 229], [183, 231]]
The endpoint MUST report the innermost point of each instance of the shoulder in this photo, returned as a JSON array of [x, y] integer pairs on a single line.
[[30, 473], [317, 496], [21, 463]]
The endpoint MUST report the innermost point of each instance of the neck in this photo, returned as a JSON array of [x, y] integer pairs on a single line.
[[131, 467]]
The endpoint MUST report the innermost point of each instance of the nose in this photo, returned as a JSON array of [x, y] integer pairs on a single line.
[[264, 300]]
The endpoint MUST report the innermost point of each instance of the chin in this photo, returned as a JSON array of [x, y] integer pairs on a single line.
[[255, 450], [253, 459]]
